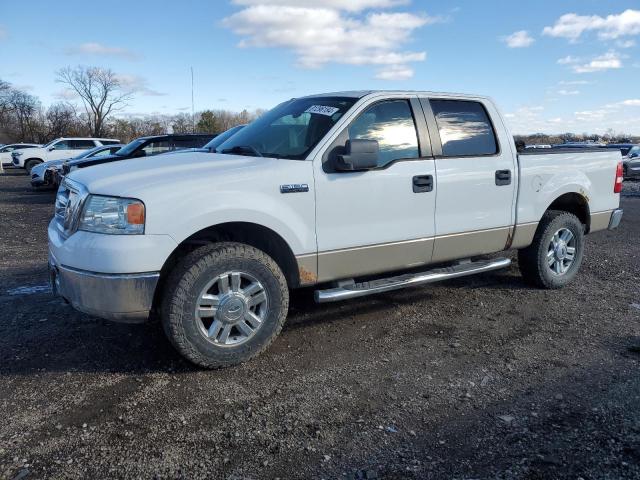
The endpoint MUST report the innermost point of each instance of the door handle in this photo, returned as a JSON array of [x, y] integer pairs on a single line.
[[422, 183], [503, 177]]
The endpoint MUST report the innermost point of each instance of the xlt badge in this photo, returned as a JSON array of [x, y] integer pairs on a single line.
[[294, 188]]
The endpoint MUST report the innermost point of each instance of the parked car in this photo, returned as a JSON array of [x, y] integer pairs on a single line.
[[623, 147], [143, 147], [56, 149], [44, 174], [631, 163], [6, 150], [578, 145], [334, 191]]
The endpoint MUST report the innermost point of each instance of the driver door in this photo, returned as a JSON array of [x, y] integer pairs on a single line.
[[381, 219]]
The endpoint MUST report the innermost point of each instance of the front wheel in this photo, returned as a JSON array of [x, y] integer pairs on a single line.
[[224, 304], [555, 255], [29, 164]]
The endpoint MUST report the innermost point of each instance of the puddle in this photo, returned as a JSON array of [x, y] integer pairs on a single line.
[[29, 289]]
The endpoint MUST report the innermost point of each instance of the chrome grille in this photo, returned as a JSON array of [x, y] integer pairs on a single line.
[[69, 200]]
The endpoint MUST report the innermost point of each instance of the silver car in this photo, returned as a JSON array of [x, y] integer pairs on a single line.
[[631, 163], [42, 174]]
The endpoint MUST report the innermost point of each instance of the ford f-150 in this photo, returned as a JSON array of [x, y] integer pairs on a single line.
[[350, 193]]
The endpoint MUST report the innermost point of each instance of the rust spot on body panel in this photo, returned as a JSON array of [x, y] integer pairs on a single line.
[[307, 277]]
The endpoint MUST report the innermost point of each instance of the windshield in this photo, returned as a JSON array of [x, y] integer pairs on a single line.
[[290, 130], [87, 153], [50, 143], [223, 137], [131, 147]]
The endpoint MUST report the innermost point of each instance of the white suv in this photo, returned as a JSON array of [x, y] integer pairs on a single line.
[[57, 149], [6, 150]]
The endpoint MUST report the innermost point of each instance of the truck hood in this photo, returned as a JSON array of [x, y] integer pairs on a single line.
[[149, 176]]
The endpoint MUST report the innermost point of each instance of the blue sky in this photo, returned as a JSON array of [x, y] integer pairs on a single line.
[[552, 66]]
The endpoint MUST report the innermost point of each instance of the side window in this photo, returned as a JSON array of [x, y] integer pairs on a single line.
[[109, 142], [157, 146], [391, 124], [62, 145], [181, 143], [465, 128], [81, 144], [102, 153]]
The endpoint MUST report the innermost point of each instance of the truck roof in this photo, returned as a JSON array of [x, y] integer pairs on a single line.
[[364, 93]]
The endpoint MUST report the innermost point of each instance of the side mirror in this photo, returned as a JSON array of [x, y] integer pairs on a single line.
[[51, 149], [139, 153], [359, 154]]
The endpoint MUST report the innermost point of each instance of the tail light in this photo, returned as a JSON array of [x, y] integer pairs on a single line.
[[617, 187]]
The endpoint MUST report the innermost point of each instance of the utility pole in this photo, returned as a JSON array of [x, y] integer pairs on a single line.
[[193, 112]]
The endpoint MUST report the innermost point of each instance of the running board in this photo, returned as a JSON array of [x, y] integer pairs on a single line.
[[355, 290]]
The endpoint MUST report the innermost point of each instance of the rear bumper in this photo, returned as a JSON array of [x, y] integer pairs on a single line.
[[616, 218], [120, 297]]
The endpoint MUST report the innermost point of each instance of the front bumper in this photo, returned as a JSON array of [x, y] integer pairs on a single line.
[[616, 218], [120, 297]]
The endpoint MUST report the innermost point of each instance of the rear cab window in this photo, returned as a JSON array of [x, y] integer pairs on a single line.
[[465, 128]]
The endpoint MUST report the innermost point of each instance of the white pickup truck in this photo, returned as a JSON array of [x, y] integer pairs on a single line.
[[353, 193]]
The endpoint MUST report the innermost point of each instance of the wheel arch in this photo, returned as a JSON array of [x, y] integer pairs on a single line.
[[574, 203], [258, 236], [37, 159]]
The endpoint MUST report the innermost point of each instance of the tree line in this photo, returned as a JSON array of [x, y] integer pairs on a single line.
[[546, 139], [97, 98], [97, 95]]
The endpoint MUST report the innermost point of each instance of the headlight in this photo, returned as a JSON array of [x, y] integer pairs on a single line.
[[123, 216]]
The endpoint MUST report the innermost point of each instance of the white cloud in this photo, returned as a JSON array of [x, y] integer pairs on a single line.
[[348, 5], [137, 84], [609, 61], [97, 49], [572, 26], [593, 119], [520, 39], [575, 82], [66, 94], [626, 43], [568, 92], [568, 60], [395, 72], [324, 34]]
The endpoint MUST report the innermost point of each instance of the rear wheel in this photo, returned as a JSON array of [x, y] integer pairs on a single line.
[[555, 255], [29, 164], [224, 304]]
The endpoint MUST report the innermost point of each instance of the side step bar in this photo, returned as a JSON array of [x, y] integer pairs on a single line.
[[355, 290]]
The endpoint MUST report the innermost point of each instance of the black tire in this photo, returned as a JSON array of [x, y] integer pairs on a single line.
[[533, 260], [182, 293], [29, 164]]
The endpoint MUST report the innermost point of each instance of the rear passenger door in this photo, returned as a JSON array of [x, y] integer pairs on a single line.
[[476, 178]]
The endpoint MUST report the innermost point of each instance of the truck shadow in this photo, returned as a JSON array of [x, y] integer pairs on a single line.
[[40, 333]]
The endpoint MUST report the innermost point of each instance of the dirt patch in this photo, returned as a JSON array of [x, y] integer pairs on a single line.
[[481, 377]]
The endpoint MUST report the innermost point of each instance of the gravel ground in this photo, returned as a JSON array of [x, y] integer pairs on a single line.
[[477, 378]]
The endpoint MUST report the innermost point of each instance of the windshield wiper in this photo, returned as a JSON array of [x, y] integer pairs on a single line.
[[243, 150]]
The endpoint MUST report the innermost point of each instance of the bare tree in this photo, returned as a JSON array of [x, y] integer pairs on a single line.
[[100, 90]]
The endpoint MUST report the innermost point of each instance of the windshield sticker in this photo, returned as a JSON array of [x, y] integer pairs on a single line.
[[322, 110]]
